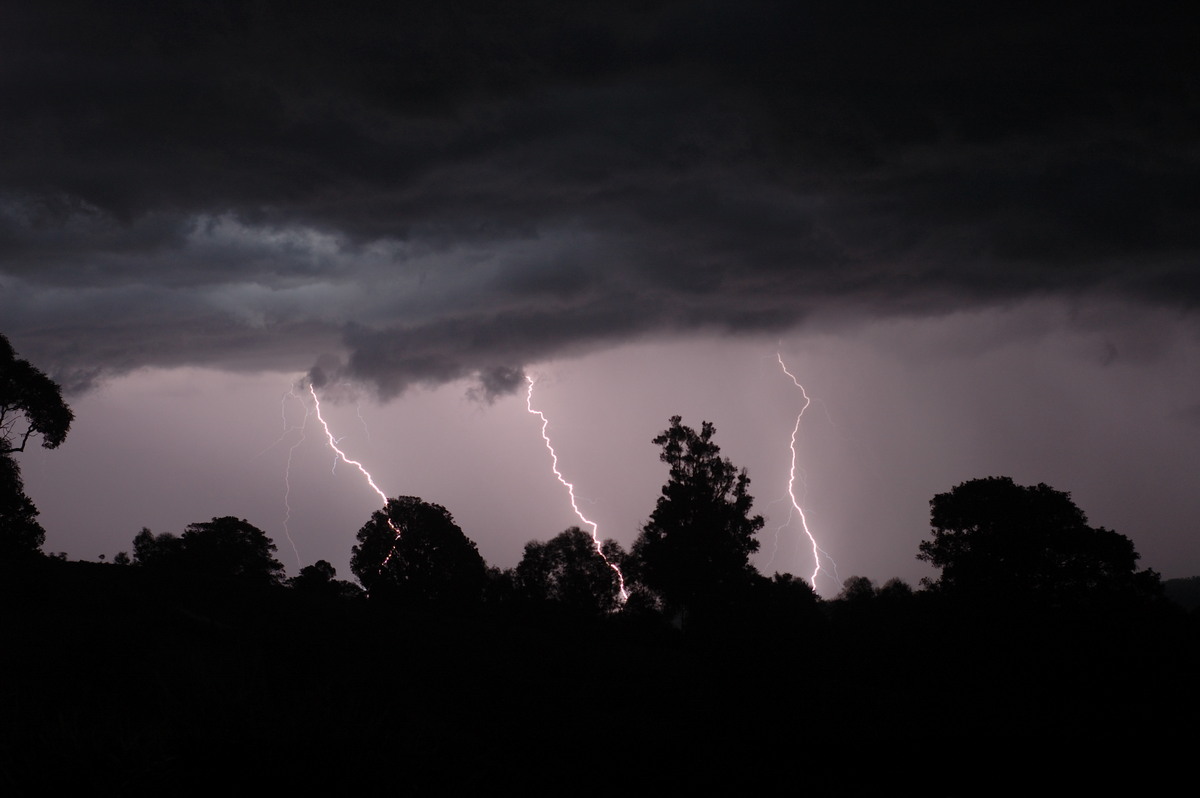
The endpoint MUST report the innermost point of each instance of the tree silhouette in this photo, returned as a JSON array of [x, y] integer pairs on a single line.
[[31, 406], [569, 573], [319, 573], [430, 563], [20, 533], [995, 539], [895, 590], [857, 589], [233, 548], [318, 581], [225, 548], [159, 551], [695, 549]]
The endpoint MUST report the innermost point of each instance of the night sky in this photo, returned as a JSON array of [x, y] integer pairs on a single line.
[[970, 234]]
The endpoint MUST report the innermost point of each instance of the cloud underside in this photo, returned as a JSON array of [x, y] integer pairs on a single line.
[[428, 195]]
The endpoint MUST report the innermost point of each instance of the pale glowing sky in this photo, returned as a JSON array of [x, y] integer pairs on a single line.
[[971, 235], [901, 411]]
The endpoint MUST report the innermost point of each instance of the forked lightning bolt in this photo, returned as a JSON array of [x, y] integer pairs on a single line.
[[816, 549], [571, 490], [333, 444]]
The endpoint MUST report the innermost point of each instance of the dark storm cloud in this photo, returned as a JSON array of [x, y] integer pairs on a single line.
[[497, 382], [452, 190]]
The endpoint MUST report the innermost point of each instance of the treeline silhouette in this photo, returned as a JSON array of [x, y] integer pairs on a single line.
[[1040, 654], [198, 663]]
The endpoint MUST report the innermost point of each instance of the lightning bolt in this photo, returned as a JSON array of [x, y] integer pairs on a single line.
[[363, 421], [287, 471], [796, 508], [340, 455], [571, 490]]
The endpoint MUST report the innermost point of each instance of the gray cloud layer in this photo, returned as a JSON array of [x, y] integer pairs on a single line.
[[434, 191]]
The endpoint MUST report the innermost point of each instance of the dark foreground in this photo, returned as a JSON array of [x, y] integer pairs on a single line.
[[111, 679]]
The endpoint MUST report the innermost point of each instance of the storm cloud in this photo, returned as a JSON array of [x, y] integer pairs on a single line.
[[432, 192]]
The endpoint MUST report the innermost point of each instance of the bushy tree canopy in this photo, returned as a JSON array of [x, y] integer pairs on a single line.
[[318, 581], [223, 548], [696, 547], [156, 551], [994, 538], [430, 562], [568, 572], [20, 533], [31, 406], [232, 547]]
